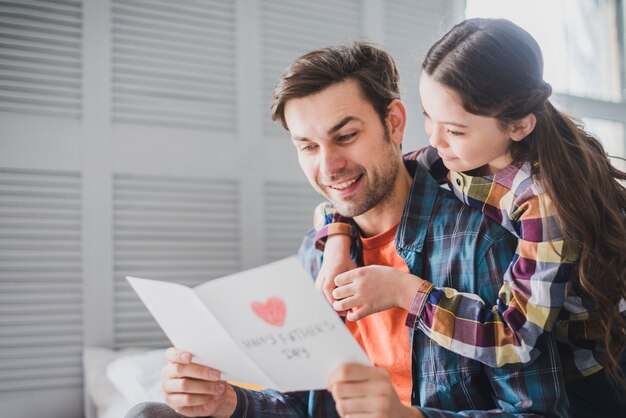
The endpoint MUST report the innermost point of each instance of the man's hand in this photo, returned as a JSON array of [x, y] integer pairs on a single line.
[[337, 260], [366, 391], [195, 390], [367, 290]]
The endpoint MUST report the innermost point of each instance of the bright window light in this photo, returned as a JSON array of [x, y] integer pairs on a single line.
[[610, 134], [578, 39]]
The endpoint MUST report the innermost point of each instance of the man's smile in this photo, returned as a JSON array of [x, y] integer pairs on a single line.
[[344, 184]]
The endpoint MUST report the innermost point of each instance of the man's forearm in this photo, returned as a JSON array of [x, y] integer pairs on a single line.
[[253, 404]]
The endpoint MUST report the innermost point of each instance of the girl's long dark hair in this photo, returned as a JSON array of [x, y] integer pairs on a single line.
[[497, 69]]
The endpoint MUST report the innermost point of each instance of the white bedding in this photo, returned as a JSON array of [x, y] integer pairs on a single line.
[[116, 380]]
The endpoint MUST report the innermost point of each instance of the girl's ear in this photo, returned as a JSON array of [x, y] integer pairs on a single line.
[[521, 128]]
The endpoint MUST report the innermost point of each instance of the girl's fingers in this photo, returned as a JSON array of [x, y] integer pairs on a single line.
[[345, 278], [346, 304]]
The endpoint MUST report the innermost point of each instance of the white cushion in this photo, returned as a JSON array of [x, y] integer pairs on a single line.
[[138, 376], [134, 376]]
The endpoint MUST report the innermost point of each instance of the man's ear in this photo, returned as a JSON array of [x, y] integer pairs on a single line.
[[396, 120], [521, 128]]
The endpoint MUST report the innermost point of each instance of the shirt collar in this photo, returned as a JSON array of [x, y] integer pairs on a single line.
[[418, 208]]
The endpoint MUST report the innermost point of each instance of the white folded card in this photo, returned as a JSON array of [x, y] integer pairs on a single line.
[[266, 326]]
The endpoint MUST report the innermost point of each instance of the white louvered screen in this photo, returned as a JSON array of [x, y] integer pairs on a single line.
[[289, 215], [173, 63], [180, 230], [411, 27], [40, 57], [290, 28], [40, 280]]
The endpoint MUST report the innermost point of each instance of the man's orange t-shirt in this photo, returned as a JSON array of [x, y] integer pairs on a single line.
[[383, 335]]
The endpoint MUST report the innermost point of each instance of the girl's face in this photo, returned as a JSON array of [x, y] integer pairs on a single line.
[[464, 141]]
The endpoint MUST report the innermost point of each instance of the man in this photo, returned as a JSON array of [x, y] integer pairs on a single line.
[[341, 106]]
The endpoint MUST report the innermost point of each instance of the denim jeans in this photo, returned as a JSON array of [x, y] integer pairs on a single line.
[[152, 410], [594, 396]]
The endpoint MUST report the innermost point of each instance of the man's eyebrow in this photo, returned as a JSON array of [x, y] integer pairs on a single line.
[[343, 122]]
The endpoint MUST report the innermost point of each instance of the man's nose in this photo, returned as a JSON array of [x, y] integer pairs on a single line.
[[332, 162]]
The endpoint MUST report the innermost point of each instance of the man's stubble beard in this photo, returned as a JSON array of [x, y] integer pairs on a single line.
[[378, 189]]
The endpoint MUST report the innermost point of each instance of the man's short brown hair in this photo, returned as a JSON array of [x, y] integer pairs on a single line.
[[372, 68]]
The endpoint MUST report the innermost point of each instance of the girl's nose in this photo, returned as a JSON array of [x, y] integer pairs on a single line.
[[437, 138]]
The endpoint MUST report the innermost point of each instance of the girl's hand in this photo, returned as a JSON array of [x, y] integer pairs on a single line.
[[337, 260], [367, 290]]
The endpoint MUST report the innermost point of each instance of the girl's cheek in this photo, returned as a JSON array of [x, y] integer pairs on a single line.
[[428, 127]]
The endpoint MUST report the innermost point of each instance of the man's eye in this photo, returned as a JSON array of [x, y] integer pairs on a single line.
[[307, 148], [346, 137]]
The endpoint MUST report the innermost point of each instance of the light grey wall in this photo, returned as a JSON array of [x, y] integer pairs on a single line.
[[135, 139]]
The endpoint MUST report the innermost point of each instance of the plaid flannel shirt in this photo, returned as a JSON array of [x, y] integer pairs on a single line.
[[451, 245], [537, 295]]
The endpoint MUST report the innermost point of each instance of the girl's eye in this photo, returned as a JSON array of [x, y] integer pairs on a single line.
[[454, 133]]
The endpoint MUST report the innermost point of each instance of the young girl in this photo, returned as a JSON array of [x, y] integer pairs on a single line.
[[532, 169]]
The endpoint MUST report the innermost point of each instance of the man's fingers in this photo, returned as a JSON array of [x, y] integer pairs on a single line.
[[178, 356], [193, 386], [185, 400], [193, 411], [356, 406], [358, 415], [192, 370], [349, 372], [346, 390]]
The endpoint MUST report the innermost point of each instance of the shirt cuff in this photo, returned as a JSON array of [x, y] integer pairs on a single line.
[[415, 311], [241, 410], [331, 229]]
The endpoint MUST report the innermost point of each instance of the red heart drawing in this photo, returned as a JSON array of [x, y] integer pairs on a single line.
[[273, 311]]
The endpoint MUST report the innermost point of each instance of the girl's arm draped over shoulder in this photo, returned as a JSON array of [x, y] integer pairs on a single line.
[[534, 286]]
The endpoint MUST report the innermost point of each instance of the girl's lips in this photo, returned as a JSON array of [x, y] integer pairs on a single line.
[[446, 157]]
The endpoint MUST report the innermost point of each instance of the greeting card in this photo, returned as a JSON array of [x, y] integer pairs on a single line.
[[266, 326]]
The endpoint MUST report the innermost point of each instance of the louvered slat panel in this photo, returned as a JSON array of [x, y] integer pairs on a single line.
[[181, 230], [290, 28], [40, 57], [172, 63], [40, 280], [289, 215], [411, 27]]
